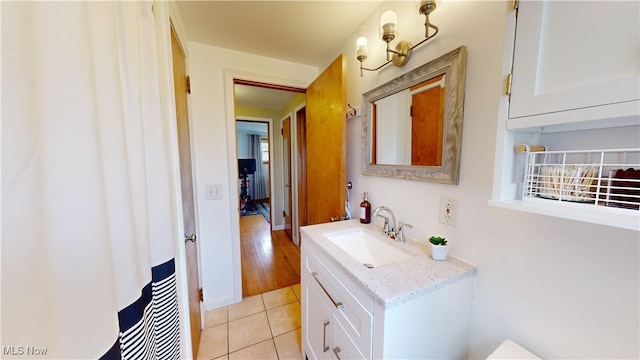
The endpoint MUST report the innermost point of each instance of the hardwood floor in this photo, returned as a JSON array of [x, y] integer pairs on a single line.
[[270, 260]]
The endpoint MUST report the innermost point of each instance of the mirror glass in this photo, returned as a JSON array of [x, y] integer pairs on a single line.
[[416, 110], [412, 125]]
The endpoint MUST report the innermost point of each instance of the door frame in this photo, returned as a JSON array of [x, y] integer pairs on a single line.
[[230, 76], [283, 172], [295, 184], [269, 122]]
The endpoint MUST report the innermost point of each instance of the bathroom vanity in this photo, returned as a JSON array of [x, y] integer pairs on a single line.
[[367, 296]]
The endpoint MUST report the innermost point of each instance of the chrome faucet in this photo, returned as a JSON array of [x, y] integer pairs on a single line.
[[400, 232], [395, 232], [385, 229]]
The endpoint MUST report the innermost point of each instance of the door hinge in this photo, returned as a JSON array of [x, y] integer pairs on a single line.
[[200, 294], [282, 131], [507, 87], [284, 214], [188, 84]]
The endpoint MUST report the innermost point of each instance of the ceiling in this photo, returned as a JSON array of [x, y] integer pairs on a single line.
[[262, 98], [301, 31]]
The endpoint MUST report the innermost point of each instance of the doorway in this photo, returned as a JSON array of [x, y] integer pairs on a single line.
[[254, 170], [269, 258], [325, 141]]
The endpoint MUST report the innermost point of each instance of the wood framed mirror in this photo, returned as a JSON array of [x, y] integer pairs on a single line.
[[412, 125]]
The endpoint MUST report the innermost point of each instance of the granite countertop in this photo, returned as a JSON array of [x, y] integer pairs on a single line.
[[391, 284]]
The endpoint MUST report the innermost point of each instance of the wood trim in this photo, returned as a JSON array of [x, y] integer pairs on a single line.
[[268, 86]]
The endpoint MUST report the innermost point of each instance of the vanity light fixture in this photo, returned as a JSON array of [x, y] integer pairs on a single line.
[[400, 56]]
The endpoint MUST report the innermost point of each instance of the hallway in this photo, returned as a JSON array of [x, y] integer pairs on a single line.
[[270, 260]]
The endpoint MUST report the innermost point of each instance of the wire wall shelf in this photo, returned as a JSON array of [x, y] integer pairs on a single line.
[[608, 178]]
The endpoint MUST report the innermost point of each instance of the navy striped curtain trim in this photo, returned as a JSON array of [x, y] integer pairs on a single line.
[[149, 327], [113, 353], [132, 314], [163, 271]]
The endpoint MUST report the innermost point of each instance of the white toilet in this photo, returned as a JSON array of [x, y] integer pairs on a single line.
[[510, 350]]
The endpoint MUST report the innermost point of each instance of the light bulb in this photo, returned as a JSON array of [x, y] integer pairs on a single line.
[[388, 21], [361, 47]]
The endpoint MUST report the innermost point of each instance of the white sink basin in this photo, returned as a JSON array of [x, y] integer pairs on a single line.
[[366, 248]]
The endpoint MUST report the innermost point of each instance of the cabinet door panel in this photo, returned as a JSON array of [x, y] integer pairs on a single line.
[[351, 313], [343, 348], [317, 321], [570, 55]]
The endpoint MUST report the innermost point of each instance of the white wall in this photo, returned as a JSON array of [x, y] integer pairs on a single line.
[[213, 143], [562, 289]]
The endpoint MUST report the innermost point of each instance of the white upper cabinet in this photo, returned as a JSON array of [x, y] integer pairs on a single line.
[[575, 88], [575, 61]]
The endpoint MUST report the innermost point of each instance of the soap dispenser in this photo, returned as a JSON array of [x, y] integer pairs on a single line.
[[365, 210]]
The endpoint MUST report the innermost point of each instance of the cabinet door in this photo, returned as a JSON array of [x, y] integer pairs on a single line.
[[316, 322], [343, 347], [572, 55]]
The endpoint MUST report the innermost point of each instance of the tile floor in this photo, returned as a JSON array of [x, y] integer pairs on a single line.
[[265, 326]]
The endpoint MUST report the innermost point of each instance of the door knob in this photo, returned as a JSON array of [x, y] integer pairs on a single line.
[[188, 238]]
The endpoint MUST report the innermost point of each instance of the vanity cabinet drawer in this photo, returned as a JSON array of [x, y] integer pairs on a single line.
[[318, 260], [353, 316]]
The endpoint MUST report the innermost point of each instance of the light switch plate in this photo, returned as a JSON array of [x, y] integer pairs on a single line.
[[213, 192]]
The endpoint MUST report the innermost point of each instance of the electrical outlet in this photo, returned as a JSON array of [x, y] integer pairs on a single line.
[[448, 210]]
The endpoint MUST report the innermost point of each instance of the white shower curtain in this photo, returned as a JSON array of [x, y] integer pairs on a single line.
[[88, 207]]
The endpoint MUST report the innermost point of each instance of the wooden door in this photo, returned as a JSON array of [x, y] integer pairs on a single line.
[[191, 249], [326, 127], [427, 119], [286, 165]]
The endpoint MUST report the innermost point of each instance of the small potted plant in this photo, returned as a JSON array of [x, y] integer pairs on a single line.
[[439, 248]]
